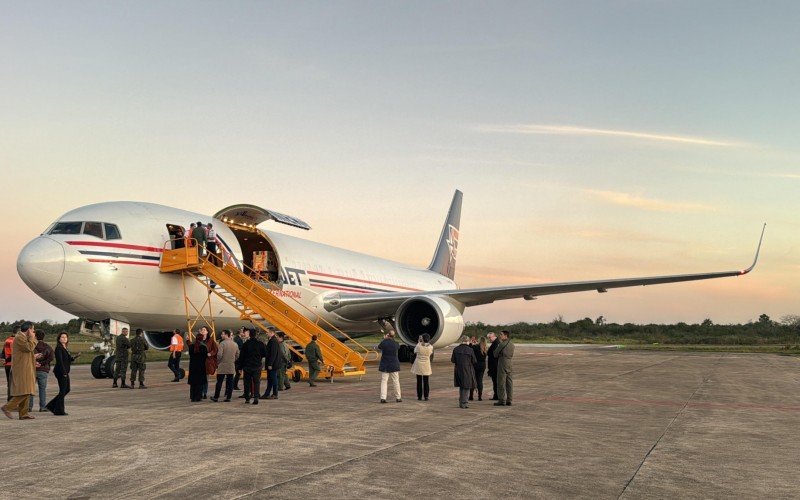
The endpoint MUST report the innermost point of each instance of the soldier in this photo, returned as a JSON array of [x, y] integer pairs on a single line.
[[505, 384], [123, 345], [286, 358], [314, 357], [138, 358]]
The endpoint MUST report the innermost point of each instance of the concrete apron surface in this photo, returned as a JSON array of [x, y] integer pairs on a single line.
[[586, 422]]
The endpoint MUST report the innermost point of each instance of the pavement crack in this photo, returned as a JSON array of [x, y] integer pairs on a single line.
[[705, 379]]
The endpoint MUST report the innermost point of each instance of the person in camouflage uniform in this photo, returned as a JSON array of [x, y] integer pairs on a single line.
[[123, 345], [138, 358], [314, 356], [286, 356]]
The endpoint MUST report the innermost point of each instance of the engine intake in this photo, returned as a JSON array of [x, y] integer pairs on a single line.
[[158, 340], [439, 317]]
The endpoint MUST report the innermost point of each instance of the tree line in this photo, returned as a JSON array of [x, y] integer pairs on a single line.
[[763, 331]]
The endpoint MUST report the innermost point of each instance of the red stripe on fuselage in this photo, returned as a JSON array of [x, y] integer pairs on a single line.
[[115, 245], [133, 262], [340, 288], [363, 281]]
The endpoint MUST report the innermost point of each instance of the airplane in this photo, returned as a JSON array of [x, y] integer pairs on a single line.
[[100, 263]]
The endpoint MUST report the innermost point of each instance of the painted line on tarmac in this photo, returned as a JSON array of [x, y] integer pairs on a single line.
[[645, 402]]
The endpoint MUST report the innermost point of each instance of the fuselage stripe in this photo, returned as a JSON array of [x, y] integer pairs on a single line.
[[358, 287], [133, 262], [114, 254], [340, 288], [115, 245], [363, 281]]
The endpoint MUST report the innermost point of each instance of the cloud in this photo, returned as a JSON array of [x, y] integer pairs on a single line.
[[650, 204], [587, 131]]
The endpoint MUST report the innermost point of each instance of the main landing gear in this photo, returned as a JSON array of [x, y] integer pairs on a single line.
[[103, 367]]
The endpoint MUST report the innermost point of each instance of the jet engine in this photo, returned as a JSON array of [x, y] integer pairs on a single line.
[[439, 317], [158, 340]]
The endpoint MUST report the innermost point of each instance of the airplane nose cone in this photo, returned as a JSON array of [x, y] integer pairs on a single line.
[[41, 264]]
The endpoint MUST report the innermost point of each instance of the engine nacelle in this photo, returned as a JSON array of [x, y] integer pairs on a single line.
[[439, 317], [158, 340]]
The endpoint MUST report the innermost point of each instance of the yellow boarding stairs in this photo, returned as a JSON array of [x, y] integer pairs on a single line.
[[256, 303]]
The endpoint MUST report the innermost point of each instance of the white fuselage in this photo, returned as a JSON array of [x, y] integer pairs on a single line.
[[99, 278]]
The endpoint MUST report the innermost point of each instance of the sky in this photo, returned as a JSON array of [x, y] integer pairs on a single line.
[[591, 139]]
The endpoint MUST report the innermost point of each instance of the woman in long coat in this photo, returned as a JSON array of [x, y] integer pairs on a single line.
[[479, 347], [464, 370], [23, 367], [422, 366], [211, 360], [198, 353], [63, 363]]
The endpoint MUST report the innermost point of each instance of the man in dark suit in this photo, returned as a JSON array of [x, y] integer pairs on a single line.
[[253, 351], [272, 364], [492, 362], [464, 370]]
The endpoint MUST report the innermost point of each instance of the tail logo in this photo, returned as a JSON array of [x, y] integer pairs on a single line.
[[452, 242]]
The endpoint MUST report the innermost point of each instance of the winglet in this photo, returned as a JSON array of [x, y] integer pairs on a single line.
[[745, 271]]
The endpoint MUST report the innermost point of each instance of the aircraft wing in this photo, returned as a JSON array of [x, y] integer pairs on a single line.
[[384, 304]]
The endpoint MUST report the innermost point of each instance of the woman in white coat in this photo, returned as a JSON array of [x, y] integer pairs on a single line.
[[422, 366]]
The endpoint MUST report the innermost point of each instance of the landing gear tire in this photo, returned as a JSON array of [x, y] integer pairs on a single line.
[[183, 374], [297, 375], [108, 367], [97, 366]]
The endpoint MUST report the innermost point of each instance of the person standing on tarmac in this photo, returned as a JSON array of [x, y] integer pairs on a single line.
[[505, 383], [422, 366], [23, 384], [272, 364], [175, 351], [464, 359], [198, 353], [253, 351], [42, 370], [389, 366], [123, 346], [7, 348], [138, 358], [314, 356], [285, 358], [491, 362], [239, 339], [227, 354]]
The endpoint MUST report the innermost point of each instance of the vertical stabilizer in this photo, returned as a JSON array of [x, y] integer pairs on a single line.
[[444, 259]]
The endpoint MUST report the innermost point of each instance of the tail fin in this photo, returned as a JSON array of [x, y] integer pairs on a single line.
[[444, 259]]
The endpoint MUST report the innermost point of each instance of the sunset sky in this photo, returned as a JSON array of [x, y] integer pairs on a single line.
[[591, 139]]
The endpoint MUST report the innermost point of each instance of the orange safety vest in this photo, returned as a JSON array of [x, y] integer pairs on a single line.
[[176, 347], [7, 346]]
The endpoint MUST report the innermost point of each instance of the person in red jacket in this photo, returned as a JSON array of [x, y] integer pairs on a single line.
[[7, 359]]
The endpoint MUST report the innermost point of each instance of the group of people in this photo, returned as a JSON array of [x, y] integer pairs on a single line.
[[234, 358], [133, 352], [27, 359], [470, 359], [240, 358], [204, 236]]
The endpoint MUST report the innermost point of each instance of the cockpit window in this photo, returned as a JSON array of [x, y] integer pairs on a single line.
[[112, 231], [66, 228], [93, 229]]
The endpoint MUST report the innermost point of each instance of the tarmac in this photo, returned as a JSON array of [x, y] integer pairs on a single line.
[[586, 422]]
